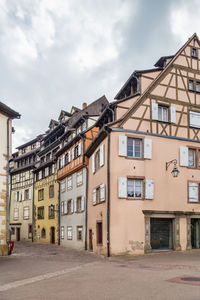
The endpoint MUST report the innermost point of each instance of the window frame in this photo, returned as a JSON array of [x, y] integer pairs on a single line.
[[51, 194], [197, 153], [70, 238], [196, 50], [78, 174], [51, 211], [188, 199], [77, 233], [141, 147], [40, 217], [137, 178], [167, 107], [68, 179], [28, 209], [41, 191]]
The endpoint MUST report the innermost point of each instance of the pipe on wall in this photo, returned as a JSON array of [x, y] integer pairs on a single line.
[[7, 182]]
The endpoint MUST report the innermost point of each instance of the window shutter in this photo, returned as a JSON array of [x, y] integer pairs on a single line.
[[173, 114], [184, 156], [75, 205], [69, 156], [101, 155], [102, 192], [52, 169], [149, 189], [62, 207], [122, 187], [79, 149], [29, 193], [72, 153], [154, 109], [82, 203], [193, 192], [93, 163], [195, 119], [46, 172], [148, 148], [65, 207], [22, 195], [94, 197], [72, 206], [122, 145]]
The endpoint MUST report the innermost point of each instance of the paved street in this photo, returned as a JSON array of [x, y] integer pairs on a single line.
[[38, 271]]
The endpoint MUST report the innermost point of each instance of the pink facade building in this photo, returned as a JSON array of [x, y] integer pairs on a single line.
[[144, 177]]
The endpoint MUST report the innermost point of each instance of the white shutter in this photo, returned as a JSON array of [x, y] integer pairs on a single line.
[[148, 148], [94, 201], [62, 207], [72, 206], [40, 175], [122, 145], [65, 207], [101, 155], [22, 195], [173, 114], [69, 156], [29, 193], [195, 119], [184, 156], [154, 108], [122, 187], [79, 149], [46, 172], [193, 192], [52, 169], [149, 189], [82, 203], [102, 192], [72, 153], [93, 163], [75, 205]]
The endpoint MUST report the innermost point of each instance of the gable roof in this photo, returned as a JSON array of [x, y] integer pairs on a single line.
[[125, 117], [9, 111]]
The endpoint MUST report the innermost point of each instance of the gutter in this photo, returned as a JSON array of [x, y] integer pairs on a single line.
[[7, 184]]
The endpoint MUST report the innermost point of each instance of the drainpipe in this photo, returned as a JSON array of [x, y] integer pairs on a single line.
[[7, 182], [58, 212], [33, 211], [86, 189], [108, 196]]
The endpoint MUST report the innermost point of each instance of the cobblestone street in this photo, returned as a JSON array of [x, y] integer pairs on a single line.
[[36, 271]]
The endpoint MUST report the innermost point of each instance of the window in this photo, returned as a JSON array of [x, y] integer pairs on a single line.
[[16, 214], [198, 86], [62, 232], [134, 188], [70, 206], [79, 178], [48, 157], [194, 53], [17, 178], [67, 158], [99, 194], [99, 233], [69, 182], [26, 213], [194, 119], [18, 199], [41, 194], [27, 176], [76, 152], [193, 191], [69, 232], [79, 233], [163, 113], [62, 186], [97, 160], [12, 230], [41, 212], [191, 85], [191, 158], [43, 233], [26, 194], [78, 204], [51, 211], [51, 191], [134, 148]]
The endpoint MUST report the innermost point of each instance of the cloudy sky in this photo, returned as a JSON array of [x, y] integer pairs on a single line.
[[59, 53]]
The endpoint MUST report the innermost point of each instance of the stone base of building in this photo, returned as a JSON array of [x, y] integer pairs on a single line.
[[3, 250]]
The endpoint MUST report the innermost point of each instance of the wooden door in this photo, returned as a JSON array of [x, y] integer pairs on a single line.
[[52, 235], [18, 234], [90, 240]]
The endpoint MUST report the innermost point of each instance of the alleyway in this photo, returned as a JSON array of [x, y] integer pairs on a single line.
[[37, 271]]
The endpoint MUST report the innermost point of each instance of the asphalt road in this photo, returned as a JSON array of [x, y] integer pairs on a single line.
[[37, 271]]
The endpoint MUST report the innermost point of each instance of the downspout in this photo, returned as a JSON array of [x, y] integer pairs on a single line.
[[86, 190], [108, 196], [7, 182], [33, 211], [58, 212]]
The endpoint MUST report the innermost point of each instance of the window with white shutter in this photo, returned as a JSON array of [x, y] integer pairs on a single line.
[[148, 148], [79, 149], [94, 197], [75, 205], [193, 191], [149, 189], [93, 163], [101, 155], [154, 109], [184, 156], [102, 192], [122, 187], [82, 203]]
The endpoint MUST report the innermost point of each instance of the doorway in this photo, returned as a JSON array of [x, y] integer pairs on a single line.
[[18, 234], [90, 240], [52, 235], [195, 233], [161, 234]]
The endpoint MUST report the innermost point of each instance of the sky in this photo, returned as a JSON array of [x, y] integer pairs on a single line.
[[55, 54]]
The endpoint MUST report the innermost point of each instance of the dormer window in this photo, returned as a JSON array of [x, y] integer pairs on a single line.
[[194, 53]]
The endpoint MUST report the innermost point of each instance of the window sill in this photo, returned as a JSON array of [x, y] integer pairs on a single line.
[[135, 158], [99, 202], [190, 202], [135, 199]]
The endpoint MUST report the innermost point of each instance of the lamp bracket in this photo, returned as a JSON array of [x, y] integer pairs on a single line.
[[174, 161]]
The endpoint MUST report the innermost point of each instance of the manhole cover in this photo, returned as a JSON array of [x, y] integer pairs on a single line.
[[190, 278]]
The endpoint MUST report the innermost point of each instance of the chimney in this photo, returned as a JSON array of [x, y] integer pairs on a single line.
[[84, 105]]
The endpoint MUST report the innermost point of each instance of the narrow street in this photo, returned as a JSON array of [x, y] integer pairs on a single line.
[[37, 271]]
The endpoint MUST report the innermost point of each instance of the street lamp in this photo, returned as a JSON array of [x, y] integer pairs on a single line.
[[175, 170]]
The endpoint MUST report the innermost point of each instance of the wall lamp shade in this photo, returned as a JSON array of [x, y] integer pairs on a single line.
[[175, 172]]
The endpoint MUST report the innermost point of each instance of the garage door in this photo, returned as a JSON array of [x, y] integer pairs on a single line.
[[161, 233]]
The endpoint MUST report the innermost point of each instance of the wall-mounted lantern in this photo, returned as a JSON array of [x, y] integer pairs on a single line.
[[175, 170]]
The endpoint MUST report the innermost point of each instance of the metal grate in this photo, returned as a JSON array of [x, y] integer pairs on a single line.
[[190, 278]]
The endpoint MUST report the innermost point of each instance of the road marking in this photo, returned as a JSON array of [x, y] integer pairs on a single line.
[[18, 283]]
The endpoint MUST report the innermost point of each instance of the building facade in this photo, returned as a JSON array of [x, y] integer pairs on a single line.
[[135, 204], [21, 190], [6, 117], [73, 173]]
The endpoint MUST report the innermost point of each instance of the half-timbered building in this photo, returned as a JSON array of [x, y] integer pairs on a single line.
[[151, 162]]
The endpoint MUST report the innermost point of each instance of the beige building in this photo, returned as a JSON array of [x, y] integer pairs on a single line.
[[21, 195], [144, 195], [6, 117]]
